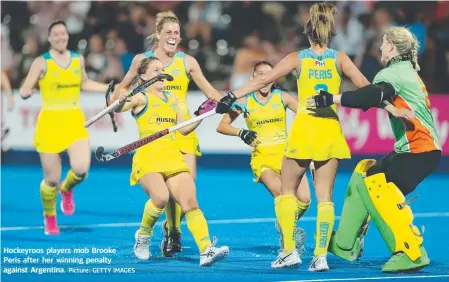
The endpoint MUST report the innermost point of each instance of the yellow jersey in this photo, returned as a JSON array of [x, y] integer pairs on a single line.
[[60, 86], [161, 155], [60, 122], [317, 134], [179, 86], [317, 72], [268, 121]]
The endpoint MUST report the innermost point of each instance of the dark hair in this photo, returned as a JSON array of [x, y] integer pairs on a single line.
[[143, 67], [276, 85], [55, 23]]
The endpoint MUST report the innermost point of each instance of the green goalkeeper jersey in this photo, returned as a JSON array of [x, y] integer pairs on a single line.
[[418, 135]]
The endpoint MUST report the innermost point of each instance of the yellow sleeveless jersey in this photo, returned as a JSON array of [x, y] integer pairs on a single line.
[[60, 122], [179, 86], [158, 114], [269, 122], [317, 72], [161, 155], [61, 86], [317, 134]]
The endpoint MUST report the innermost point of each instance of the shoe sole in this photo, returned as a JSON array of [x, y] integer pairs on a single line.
[[289, 265], [217, 258]]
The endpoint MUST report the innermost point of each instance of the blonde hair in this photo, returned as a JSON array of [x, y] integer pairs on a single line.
[[161, 19], [405, 42], [321, 26]]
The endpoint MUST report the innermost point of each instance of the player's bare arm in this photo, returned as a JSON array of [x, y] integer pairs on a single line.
[[88, 84], [198, 77], [36, 71]]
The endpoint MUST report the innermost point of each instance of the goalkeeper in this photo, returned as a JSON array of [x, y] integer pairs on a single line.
[[377, 189]]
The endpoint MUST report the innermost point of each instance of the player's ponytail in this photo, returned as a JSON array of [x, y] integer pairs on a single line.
[[321, 26], [161, 19], [406, 44]]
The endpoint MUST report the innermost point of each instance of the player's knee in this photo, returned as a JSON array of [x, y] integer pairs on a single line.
[[189, 204], [160, 199]]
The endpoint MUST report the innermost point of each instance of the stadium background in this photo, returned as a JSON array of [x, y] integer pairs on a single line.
[[225, 38]]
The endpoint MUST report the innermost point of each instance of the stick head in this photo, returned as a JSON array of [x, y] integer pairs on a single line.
[[165, 76], [99, 154]]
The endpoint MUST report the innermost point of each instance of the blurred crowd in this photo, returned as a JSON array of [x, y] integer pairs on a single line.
[[225, 37]]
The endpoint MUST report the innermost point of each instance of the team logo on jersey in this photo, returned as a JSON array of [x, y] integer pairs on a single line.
[[156, 119], [76, 71], [275, 106], [175, 72], [156, 105], [174, 107], [319, 63]]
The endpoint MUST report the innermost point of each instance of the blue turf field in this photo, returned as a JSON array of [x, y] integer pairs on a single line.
[[240, 214]]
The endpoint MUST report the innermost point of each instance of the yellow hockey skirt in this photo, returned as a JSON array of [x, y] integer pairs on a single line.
[[261, 163], [160, 156], [316, 138], [188, 144], [57, 130]]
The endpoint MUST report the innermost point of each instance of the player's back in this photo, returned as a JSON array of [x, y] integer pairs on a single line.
[[317, 72], [60, 86]]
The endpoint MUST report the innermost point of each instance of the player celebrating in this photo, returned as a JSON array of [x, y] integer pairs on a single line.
[[182, 67], [160, 167], [377, 188], [315, 135], [61, 74], [267, 133]]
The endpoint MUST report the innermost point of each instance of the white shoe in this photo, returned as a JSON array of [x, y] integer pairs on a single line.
[[213, 254], [142, 246], [300, 236], [286, 260], [319, 264]]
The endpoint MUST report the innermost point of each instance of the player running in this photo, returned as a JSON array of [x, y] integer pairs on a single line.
[[183, 68], [267, 133], [377, 188], [161, 168], [61, 76]]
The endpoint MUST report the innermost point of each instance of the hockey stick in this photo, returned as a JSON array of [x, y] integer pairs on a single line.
[[99, 153], [136, 90], [111, 114]]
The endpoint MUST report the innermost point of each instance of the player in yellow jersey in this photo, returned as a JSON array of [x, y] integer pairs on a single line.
[[183, 68], [267, 133], [315, 135], [61, 76], [160, 168]]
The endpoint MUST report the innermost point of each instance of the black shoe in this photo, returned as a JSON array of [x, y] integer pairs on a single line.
[[171, 243]]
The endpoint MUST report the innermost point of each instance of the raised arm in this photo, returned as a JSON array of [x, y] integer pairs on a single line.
[[128, 79], [136, 102], [37, 69], [290, 101], [198, 77], [287, 65], [350, 70], [88, 84], [132, 72]]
